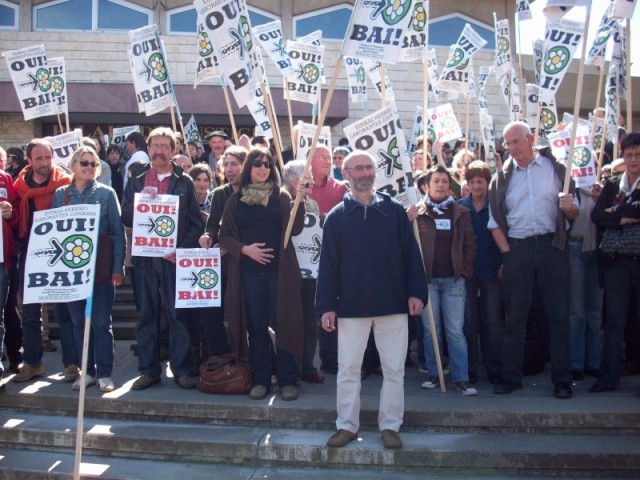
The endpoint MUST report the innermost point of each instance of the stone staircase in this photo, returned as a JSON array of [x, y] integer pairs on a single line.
[[165, 432]]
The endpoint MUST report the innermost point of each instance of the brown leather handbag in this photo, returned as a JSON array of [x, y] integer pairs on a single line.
[[224, 374]]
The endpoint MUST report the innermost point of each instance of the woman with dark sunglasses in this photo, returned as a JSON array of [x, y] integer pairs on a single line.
[[84, 189], [264, 283]]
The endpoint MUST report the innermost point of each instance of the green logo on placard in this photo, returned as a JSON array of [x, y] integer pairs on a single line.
[[77, 251], [558, 58], [581, 157], [164, 226]]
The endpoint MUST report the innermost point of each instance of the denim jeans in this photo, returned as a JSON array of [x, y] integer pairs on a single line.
[[483, 322], [447, 297], [4, 290], [586, 307], [149, 282], [622, 285], [261, 295], [70, 354], [310, 320], [100, 353]]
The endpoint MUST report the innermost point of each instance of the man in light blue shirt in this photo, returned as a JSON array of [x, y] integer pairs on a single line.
[[528, 221]]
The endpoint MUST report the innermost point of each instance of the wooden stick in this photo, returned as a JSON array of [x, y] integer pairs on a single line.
[[60, 123], [173, 117], [312, 150], [383, 85], [66, 119], [277, 125], [230, 112], [83, 369], [523, 83], [629, 79], [432, 323], [466, 126], [274, 128], [537, 124], [576, 106], [617, 142], [593, 130], [601, 155], [286, 91], [425, 107]]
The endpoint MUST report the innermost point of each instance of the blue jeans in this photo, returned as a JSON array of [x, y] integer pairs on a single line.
[[149, 283], [261, 296], [622, 285], [4, 290], [483, 322], [447, 297], [586, 307], [100, 353]]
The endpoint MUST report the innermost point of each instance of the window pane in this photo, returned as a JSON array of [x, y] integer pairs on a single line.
[[70, 15], [258, 19], [114, 16], [7, 16], [333, 24], [183, 22], [446, 32]]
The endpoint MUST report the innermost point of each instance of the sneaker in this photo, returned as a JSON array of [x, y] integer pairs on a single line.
[[71, 373], [341, 438], [258, 392], [89, 380], [144, 381], [49, 346], [466, 389], [391, 439], [432, 382], [106, 384], [289, 393], [27, 372]]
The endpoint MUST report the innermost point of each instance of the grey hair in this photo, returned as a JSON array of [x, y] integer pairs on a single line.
[[523, 126], [293, 172], [357, 153]]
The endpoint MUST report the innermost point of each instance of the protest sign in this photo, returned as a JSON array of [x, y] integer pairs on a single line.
[[155, 225], [376, 30], [483, 104], [381, 135], [511, 94], [596, 54], [538, 56], [452, 77], [307, 60], [198, 278], [414, 43], [561, 40], [132, 65], [373, 70], [622, 8], [191, 130], [306, 131], [58, 78], [308, 245], [554, 10], [583, 166], [416, 130], [270, 37], [619, 56], [60, 261], [612, 106], [444, 123], [523, 12], [151, 76], [488, 140], [38, 92], [502, 63], [357, 78], [207, 63], [64, 145], [120, 135], [258, 108], [228, 28]]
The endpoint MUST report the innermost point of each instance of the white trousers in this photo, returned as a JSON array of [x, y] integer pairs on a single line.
[[391, 335]]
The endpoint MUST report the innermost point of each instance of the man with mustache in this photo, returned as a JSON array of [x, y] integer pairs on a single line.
[[154, 274]]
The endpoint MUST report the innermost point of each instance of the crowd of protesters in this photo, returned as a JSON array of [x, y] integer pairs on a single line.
[[515, 275]]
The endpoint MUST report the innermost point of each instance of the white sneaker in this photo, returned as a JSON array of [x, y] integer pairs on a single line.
[[89, 380], [466, 389], [106, 384], [432, 382]]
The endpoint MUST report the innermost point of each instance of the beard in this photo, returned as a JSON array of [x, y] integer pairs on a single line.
[[364, 184]]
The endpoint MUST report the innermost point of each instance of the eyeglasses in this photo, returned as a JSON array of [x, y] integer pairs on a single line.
[[87, 163], [362, 168], [513, 142], [259, 163], [631, 156], [163, 147]]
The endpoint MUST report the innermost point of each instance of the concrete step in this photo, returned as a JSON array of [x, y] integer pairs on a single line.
[[542, 454]]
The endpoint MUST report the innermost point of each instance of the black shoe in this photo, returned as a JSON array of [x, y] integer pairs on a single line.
[[562, 391], [494, 378], [329, 367], [591, 372], [578, 375], [599, 387], [4, 357], [506, 387], [49, 346], [473, 378]]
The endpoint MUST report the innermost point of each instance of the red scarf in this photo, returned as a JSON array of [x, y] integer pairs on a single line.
[[42, 196]]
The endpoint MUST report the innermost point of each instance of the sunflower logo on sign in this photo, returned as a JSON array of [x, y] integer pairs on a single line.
[[309, 73], [207, 278], [581, 157], [419, 18], [206, 48], [164, 226], [558, 58], [503, 45], [58, 86], [548, 119], [431, 135], [77, 251], [456, 57], [361, 75], [44, 83], [158, 69], [244, 29], [393, 11], [597, 141]]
